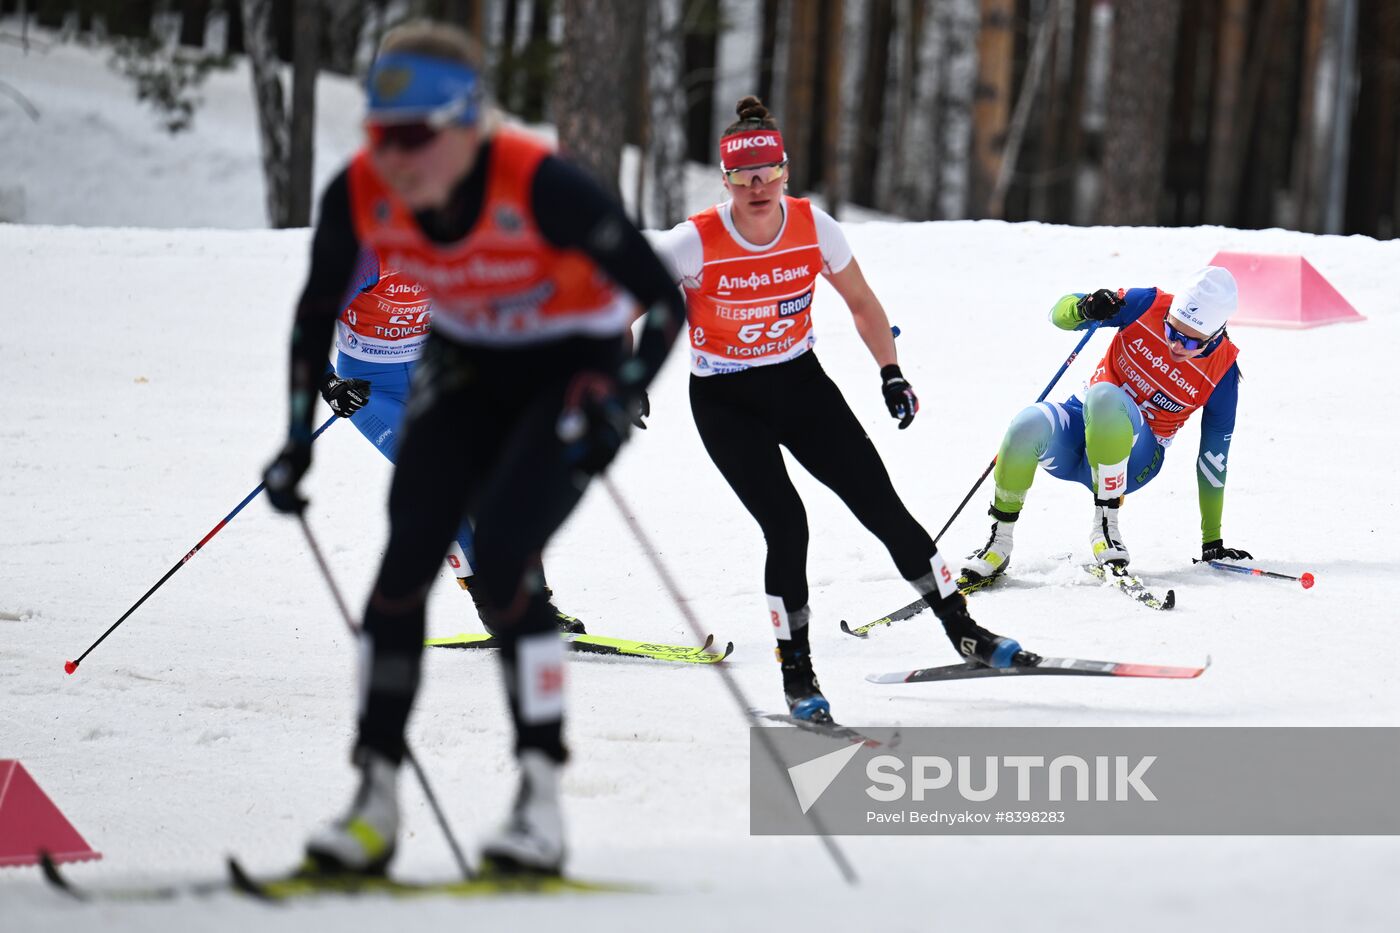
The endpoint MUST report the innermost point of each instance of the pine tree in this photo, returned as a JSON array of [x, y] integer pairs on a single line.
[[287, 139]]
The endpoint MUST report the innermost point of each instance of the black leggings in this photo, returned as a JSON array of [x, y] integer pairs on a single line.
[[479, 440], [743, 417]]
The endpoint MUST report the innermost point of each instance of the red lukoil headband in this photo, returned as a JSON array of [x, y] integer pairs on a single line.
[[752, 147]]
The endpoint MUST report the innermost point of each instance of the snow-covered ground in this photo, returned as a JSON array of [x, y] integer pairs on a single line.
[[146, 388]]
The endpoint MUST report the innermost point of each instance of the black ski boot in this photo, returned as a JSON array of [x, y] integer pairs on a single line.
[[971, 640], [800, 687], [566, 623]]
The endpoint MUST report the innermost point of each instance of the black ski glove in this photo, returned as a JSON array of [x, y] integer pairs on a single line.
[[597, 417], [284, 473], [1100, 305], [1216, 550], [345, 396], [643, 409], [899, 397]]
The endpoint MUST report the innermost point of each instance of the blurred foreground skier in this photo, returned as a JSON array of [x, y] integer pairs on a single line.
[[521, 255]]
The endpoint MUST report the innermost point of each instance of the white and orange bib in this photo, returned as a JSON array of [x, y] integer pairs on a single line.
[[504, 284], [387, 323], [1167, 392], [753, 308]]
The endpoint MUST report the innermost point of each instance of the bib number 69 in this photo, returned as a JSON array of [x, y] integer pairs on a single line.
[[752, 333]]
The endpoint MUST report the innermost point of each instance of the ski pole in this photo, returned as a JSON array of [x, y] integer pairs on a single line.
[[71, 666], [987, 472], [1306, 580], [730, 683], [441, 817]]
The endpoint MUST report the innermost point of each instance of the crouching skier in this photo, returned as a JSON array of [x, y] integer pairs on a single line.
[[1172, 356]]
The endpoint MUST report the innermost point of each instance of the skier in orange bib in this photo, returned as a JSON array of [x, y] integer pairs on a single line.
[[748, 268]]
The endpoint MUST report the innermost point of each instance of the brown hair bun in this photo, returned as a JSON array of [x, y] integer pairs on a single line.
[[752, 116], [751, 108]]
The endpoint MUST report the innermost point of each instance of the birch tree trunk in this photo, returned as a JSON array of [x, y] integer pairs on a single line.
[[273, 132], [667, 143], [894, 194], [301, 154], [958, 22], [920, 182]]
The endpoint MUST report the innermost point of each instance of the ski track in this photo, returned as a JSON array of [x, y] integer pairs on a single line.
[[145, 384]]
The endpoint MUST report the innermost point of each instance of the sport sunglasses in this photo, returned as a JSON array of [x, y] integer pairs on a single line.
[[755, 174], [415, 133], [1187, 343]]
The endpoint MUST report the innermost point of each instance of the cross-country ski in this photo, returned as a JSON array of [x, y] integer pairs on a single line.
[[1034, 665], [599, 644]]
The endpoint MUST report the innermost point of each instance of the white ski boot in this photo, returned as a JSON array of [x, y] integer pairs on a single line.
[[995, 555], [362, 841], [1105, 540], [532, 840]]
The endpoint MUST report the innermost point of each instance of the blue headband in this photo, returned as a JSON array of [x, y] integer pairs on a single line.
[[405, 86]]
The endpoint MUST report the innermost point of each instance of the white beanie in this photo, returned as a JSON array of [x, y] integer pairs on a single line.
[[1206, 300]]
